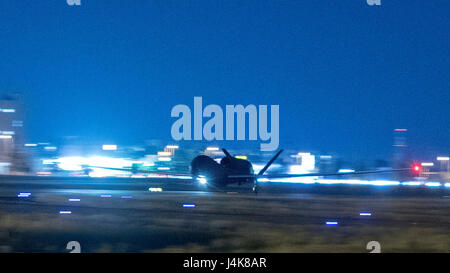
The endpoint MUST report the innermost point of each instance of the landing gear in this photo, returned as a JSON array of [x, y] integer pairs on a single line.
[[255, 186]]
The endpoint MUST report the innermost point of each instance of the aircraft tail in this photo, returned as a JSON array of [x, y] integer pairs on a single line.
[[270, 162], [226, 152]]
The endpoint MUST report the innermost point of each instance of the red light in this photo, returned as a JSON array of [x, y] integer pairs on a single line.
[[416, 168]]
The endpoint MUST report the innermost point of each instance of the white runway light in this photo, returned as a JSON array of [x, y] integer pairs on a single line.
[[74, 200], [331, 223], [65, 212], [24, 194], [433, 184], [188, 206], [365, 214]]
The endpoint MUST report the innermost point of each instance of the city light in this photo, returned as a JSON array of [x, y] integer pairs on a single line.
[[172, 146], [416, 168], [109, 147], [30, 145], [162, 153]]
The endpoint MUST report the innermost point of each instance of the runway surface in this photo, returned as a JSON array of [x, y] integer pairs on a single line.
[[43, 214]]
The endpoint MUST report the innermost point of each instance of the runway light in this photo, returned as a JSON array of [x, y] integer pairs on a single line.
[[65, 212], [346, 171], [105, 195], [126, 196], [155, 189], [188, 206], [331, 223], [433, 184], [427, 164], [443, 158], [365, 214], [212, 148], [24, 194], [241, 157], [447, 185], [74, 200], [411, 183]]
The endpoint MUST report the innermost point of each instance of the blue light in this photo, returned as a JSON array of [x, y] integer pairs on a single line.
[[24, 194], [65, 212], [332, 223], [412, 183], [188, 206], [365, 214]]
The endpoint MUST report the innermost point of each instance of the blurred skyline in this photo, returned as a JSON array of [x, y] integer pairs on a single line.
[[344, 73]]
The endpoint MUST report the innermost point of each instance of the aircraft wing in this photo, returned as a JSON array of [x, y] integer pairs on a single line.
[[316, 174]]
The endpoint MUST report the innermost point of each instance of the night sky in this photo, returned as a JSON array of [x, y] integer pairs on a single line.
[[344, 73]]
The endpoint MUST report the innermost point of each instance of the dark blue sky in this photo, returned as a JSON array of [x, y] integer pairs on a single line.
[[344, 73]]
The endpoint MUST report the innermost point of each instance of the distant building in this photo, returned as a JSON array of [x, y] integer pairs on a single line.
[[12, 156]]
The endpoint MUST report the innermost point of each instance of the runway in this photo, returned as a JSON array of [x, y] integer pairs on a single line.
[[43, 214]]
